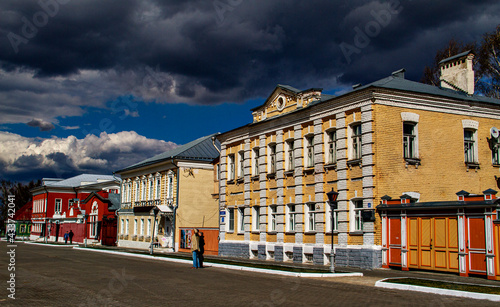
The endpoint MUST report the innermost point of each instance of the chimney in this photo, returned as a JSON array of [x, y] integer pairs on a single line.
[[457, 73]]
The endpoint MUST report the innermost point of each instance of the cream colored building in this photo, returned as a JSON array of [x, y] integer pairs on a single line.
[[392, 137], [180, 183]]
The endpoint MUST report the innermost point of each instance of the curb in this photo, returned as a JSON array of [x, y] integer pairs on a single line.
[[227, 266], [474, 295], [53, 245]]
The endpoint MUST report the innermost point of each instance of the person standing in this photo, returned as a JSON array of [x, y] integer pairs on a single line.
[[71, 234], [195, 248], [201, 243], [66, 237]]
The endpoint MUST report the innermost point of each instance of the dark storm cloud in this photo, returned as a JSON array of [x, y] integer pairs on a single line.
[[40, 124], [216, 51]]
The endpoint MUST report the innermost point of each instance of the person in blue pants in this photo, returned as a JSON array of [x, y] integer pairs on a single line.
[[195, 249]]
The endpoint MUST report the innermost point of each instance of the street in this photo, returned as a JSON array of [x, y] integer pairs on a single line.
[[63, 276]]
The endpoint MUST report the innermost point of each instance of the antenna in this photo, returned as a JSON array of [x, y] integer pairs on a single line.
[[495, 133]]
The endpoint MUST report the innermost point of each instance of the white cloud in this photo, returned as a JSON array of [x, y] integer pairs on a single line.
[[22, 157]]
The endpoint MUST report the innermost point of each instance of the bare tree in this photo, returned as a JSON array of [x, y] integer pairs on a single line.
[[489, 64]]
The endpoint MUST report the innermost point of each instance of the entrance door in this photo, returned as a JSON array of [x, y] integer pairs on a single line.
[[433, 243], [477, 246], [395, 241]]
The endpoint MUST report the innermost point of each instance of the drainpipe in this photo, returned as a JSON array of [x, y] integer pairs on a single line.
[[176, 206], [218, 182], [46, 208]]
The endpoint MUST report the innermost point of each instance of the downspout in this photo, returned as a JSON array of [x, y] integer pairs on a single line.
[[218, 182], [46, 209], [176, 206]]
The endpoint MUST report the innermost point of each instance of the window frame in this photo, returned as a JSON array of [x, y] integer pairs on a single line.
[[241, 164], [291, 220], [310, 217], [309, 151], [356, 141], [231, 167], [272, 216], [410, 141], [470, 147], [331, 146], [241, 220], [272, 158], [290, 155], [58, 205], [256, 218], [256, 157], [356, 217], [328, 216], [230, 220]]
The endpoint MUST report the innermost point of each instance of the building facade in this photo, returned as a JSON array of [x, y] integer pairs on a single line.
[[59, 206], [180, 184], [391, 137]]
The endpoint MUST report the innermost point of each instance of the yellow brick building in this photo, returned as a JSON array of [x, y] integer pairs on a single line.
[[391, 137], [180, 183]]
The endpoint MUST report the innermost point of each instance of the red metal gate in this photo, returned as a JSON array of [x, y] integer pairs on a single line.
[[109, 231]]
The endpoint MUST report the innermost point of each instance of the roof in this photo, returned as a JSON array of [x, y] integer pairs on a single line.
[[201, 149], [24, 213], [296, 91], [455, 57], [80, 180], [397, 83], [113, 200], [440, 205]]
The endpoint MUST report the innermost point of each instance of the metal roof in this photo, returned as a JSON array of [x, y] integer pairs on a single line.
[[455, 57], [396, 83], [80, 180], [201, 149]]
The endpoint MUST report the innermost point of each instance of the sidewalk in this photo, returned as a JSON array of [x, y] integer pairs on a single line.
[[370, 277]]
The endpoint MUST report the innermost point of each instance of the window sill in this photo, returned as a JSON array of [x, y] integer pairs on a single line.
[[290, 232], [273, 232], [354, 162], [230, 231], [254, 178], [230, 181], [308, 170], [289, 173], [240, 180], [335, 232], [313, 232], [356, 233], [271, 175], [330, 166], [412, 161], [255, 232], [472, 165]]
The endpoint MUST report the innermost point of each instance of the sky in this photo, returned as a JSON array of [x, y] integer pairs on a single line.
[[93, 86]]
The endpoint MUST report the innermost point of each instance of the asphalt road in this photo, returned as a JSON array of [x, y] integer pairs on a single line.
[[62, 276]]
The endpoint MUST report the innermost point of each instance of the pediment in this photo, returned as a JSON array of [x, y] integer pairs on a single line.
[[284, 99]]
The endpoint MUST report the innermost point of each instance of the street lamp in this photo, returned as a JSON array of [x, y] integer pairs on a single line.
[[155, 210], [332, 201], [86, 216]]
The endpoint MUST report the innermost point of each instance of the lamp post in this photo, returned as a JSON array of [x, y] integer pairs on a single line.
[[155, 210], [86, 216], [332, 201]]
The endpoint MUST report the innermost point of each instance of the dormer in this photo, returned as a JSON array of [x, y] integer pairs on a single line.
[[285, 99]]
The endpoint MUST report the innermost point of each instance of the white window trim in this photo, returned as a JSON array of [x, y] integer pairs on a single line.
[[309, 143], [241, 166], [256, 218], [474, 144], [241, 220], [416, 141], [231, 167], [228, 223], [328, 218], [350, 136], [255, 161], [273, 212], [310, 214], [288, 218], [289, 148], [328, 139], [352, 214], [56, 206], [271, 164]]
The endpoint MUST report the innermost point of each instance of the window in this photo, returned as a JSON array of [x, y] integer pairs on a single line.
[[58, 205], [122, 226], [470, 146], [356, 141], [332, 147], [151, 187], [256, 218], [135, 226], [329, 218], [144, 187], [241, 164], [290, 225], [311, 217], [158, 187], [495, 154], [256, 161], [273, 218], [126, 226], [70, 203], [230, 218], [310, 151], [170, 185], [137, 190], [241, 219], [272, 158], [141, 231], [149, 228], [410, 141], [290, 157], [231, 167], [356, 217]]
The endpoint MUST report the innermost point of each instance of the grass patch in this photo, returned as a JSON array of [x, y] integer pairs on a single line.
[[445, 285]]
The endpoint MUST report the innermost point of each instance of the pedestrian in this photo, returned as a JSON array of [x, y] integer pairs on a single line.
[[202, 249], [195, 248], [71, 234], [66, 237]]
